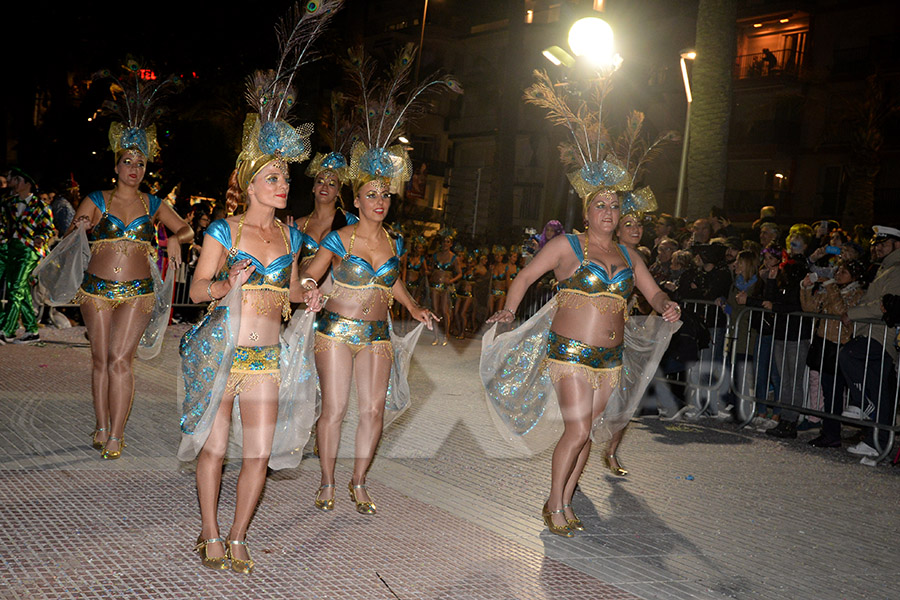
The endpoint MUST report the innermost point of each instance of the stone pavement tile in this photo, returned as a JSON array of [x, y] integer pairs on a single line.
[[128, 534]]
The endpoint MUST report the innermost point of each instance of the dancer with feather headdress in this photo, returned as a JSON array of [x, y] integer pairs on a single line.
[[354, 334], [124, 302], [232, 360], [576, 360]]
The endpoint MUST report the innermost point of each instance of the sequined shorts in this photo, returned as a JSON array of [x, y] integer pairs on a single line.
[[464, 293], [356, 333], [116, 290], [565, 350], [256, 359], [252, 365], [496, 292], [438, 287]]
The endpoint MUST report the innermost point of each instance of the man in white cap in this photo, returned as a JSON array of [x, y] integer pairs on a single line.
[[870, 356]]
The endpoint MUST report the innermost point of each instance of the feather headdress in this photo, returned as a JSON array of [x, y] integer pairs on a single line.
[[268, 135], [136, 104], [385, 107], [339, 131], [594, 161]]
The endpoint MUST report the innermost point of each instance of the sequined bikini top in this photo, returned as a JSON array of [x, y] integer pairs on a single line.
[[356, 272], [417, 266], [110, 228], [309, 245], [591, 279], [447, 266], [499, 276], [274, 277]]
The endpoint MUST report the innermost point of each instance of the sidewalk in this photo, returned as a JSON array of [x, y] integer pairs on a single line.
[[707, 512]]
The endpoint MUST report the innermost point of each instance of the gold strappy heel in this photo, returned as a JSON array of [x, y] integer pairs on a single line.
[[239, 565], [575, 522], [325, 505], [97, 445], [112, 454], [363, 508], [562, 530], [216, 562], [617, 470]]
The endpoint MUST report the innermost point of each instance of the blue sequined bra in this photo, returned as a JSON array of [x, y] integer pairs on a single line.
[[309, 246], [592, 281], [110, 228], [274, 277], [358, 272], [447, 266]]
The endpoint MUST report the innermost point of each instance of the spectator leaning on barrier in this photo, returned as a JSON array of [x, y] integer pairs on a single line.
[[790, 333], [830, 297], [661, 268], [864, 357], [30, 227]]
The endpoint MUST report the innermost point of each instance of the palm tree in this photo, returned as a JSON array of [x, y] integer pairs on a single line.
[[867, 117], [711, 109]]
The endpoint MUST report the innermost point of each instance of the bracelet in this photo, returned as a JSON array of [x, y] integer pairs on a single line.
[[209, 290], [303, 283], [509, 311]]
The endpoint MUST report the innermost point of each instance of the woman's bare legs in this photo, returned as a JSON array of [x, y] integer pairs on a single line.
[[97, 323], [579, 404], [259, 411], [333, 365], [209, 476], [440, 301], [126, 328], [114, 335], [612, 447], [372, 372]]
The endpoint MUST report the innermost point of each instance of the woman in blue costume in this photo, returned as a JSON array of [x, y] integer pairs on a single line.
[[352, 332], [573, 350], [443, 272], [329, 173], [232, 361], [499, 279], [122, 288]]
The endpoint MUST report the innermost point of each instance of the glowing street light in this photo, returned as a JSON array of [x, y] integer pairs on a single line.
[[685, 55], [589, 38]]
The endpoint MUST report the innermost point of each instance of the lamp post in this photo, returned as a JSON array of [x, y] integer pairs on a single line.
[[685, 55], [589, 38]]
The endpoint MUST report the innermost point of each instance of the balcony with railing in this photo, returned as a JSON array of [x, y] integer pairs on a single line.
[[771, 65]]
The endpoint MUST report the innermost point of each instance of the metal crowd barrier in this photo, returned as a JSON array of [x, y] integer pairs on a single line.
[[707, 377], [760, 359]]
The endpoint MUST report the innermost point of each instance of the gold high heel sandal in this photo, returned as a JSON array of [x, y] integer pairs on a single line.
[[363, 508], [575, 522], [562, 530], [97, 445], [239, 565], [112, 454], [325, 505], [216, 562], [617, 470]]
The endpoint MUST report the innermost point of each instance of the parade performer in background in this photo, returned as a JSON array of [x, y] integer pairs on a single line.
[[329, 173], [353, 332], [124, 303], [443, 272], [232, 360], [577, 351], [28, 229]]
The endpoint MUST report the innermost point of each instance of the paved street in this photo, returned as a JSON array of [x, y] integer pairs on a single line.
[[708, 511]]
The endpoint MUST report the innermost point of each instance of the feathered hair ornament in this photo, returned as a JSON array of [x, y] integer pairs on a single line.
[[594, 161], [136, 103], [339, 131], [385, 106], [267, 134]]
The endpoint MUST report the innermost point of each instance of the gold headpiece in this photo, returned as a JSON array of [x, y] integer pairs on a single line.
[[385, 108], [136, 103], [595, 163], [267, 135]]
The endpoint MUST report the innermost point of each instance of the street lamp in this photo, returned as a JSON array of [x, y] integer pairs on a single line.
[[590, 38], [685, 55]]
